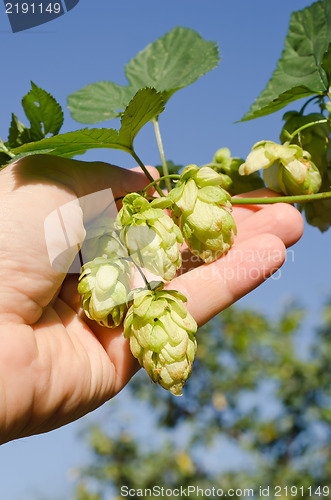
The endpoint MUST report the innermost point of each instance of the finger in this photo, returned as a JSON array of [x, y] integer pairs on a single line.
[[69, 294], [281, 219], [258, 193], [98, 176], [243, 212], [80, 177], [154, 173], [213, 287]]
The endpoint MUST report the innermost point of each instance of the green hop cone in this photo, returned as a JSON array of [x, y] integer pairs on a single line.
[[162, 336], [104, 286], [313, 139], [228, 168], [150, 235], [286, 168], [102, 240], [207, 226]]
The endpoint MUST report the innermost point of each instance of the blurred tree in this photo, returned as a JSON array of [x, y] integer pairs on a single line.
[[253, 386]]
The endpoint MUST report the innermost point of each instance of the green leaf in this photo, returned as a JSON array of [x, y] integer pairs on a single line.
[[3, 159], [22, 155], [98, 102], [267, 103], [43, 112], [18, 133], [172, 62], [75, 143], [4, 154], [145, 104], [326, 63], [301, 71]]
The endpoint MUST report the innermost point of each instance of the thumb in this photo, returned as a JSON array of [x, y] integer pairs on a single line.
[[40, 205], [95, 184], [81, 177]]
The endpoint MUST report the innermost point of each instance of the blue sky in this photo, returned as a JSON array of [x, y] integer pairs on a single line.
[[93, 42]]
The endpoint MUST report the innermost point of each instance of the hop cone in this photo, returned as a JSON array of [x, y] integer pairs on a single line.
[[104, 286], [287, 168], [150, 235], [102, 240], [228, 168], [208, 228], [162, 336]]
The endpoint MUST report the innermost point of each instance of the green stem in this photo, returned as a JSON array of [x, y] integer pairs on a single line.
[[138, 269], [142, 275], [303, 127], [281, 199], [169, 176], [148, 175], [308, 102], [110, 204], [155, 122]]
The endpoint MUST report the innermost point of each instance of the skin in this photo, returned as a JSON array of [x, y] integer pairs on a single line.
[[55, 364]]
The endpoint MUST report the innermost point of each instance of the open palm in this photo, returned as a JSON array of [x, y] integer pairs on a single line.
[[55, 365]]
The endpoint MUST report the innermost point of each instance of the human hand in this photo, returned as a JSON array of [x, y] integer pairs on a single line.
[[55, 364]]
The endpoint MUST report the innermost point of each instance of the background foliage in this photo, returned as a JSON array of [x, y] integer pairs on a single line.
[[252, 386]]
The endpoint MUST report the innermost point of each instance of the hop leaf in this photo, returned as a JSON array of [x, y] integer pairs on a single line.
[[104, 286], [207, 226], [162, 336]]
